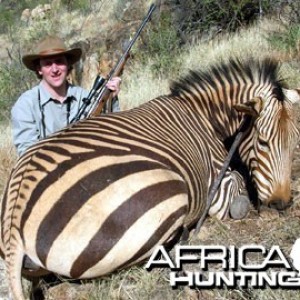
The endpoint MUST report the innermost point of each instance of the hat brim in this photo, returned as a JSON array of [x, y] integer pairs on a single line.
[[30, 60]]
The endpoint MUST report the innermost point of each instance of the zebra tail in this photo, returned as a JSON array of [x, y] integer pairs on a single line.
[[14, 267]]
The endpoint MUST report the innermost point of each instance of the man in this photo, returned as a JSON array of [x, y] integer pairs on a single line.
[[54, 102]]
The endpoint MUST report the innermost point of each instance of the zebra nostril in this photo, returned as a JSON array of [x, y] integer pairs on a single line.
[[280, 204]]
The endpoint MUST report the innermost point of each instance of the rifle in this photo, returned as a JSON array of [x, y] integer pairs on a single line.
[[99, 95]]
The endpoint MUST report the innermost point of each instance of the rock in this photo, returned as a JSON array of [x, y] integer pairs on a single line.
[[26, 14], [90, 71]]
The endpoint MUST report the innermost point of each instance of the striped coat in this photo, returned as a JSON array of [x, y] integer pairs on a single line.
[[101, 194]]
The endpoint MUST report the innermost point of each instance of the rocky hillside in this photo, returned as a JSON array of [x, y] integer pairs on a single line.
[[103, 28]]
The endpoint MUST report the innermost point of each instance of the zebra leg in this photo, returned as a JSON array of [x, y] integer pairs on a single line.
[[231, 199], [240, 204]]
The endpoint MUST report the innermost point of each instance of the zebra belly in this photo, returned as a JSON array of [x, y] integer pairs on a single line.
[[115, 227]]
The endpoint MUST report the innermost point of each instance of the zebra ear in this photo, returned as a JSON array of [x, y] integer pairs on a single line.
[[292, 95], [252, 107]]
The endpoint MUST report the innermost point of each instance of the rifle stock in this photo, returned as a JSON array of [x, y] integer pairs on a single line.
[[104, 95]]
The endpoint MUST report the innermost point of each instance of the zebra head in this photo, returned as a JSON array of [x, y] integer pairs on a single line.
[[270, 145]]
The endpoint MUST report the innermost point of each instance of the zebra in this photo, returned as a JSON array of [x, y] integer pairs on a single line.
[[101, 194]]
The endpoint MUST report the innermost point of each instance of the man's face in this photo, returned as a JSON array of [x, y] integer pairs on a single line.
[[54, 70]]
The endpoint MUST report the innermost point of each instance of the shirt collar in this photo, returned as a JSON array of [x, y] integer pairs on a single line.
[[45, 96]]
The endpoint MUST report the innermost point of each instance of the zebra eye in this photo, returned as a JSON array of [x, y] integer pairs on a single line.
[[263, 145]]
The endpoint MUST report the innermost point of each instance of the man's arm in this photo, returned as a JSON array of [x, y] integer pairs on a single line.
[[24, 125]]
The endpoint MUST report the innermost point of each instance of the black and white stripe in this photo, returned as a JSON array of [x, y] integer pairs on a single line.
[[101, 194]]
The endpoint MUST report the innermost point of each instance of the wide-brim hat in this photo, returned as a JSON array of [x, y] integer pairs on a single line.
[[51, 46]]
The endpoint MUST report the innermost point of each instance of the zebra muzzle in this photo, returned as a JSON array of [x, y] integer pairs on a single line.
[[280, 204]]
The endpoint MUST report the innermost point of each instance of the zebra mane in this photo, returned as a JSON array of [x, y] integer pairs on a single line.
[[231, 72]]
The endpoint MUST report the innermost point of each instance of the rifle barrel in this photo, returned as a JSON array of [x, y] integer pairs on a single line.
[[138, 32], [100, 92]]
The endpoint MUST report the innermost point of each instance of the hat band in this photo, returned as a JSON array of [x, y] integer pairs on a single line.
[[45, 52]]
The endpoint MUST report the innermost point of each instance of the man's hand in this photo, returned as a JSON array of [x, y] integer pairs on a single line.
[[114, 85]]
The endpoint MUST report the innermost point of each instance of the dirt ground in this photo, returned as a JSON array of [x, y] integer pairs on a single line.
[[3, 282]]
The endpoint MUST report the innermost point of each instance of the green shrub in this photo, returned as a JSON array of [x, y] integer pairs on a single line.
[[214, 16], [286, 40], [161, 44], [11, 11], [14, 79], [83, 5]]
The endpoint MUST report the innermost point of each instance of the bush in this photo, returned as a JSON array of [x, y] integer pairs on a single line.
[[214, 16], [211, 17], [83, 5], [162, 45], [14, 79], [11, 10], [286, 40]]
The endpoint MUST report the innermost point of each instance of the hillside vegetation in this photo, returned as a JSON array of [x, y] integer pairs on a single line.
[[182, 35], [178, 29]]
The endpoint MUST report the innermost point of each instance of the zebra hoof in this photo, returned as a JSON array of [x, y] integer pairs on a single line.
[[239, 207]]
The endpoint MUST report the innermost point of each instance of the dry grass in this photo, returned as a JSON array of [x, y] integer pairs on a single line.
[[140, 84], [8, 154]]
